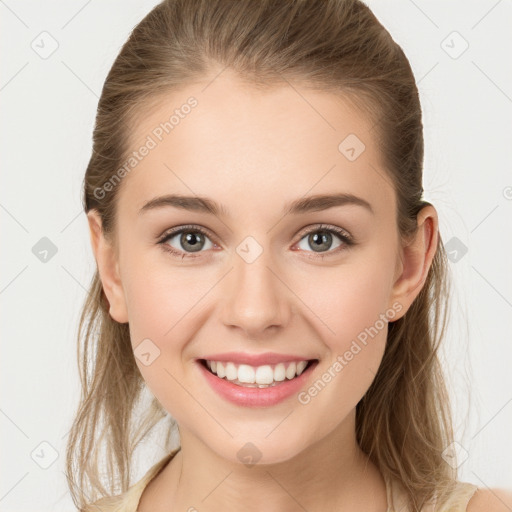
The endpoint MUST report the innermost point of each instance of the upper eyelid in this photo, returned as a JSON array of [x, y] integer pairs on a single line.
[[327, 227], [180, 229]]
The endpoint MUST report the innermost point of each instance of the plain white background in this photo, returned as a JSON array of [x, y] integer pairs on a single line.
[[48, 110]]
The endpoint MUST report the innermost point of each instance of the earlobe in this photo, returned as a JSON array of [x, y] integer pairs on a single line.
[[108, 268], [416, 259]]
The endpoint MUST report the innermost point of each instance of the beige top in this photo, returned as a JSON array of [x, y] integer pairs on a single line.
[[129, 500]]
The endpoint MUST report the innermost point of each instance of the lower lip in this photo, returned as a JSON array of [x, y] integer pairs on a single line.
[[257, 397]]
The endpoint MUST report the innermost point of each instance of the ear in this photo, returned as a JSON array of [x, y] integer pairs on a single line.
[[415, 260], [108, 268]]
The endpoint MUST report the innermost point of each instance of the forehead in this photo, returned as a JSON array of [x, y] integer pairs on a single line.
[[250, 149]]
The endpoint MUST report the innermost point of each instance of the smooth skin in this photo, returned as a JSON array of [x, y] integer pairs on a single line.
[[253, 152]]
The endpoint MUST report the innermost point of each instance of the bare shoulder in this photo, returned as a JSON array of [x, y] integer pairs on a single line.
[[490, 500]]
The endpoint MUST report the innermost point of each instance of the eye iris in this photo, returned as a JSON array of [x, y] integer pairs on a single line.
[[316, 241], [190, 238]]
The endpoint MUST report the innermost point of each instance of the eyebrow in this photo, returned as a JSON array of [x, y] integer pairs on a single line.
[[205, 205]]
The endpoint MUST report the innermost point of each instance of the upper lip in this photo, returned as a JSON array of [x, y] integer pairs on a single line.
[[256, 359]]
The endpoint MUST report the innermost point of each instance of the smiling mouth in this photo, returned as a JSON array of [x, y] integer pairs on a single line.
[[278, 380]]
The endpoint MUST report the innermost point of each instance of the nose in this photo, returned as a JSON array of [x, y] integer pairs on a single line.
[[256, 297]]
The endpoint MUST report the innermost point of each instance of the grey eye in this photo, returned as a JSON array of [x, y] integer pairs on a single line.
[[190, 241], [320, 240]]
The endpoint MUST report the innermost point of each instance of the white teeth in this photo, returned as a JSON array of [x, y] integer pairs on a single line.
[[260, 376], [300, 366], [231, 372], [247, 374], [279, 372], [221, 372], [291, 371]]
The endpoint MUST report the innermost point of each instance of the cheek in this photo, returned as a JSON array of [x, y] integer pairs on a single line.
[[150, 307], [158, 295], [350, 309], [347, 299], [362, 304], [159, 314], [163, 302]]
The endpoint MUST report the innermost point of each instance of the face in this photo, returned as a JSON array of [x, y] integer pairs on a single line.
[[257, 276]]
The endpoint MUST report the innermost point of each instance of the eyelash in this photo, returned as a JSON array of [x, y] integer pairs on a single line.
[[347, 239]]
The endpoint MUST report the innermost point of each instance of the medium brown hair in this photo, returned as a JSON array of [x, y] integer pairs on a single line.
[[403, 422]]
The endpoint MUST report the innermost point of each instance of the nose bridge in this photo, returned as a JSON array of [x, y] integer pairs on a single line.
[[255, 296]]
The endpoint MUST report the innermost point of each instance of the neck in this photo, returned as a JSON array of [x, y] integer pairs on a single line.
[[331, 474]]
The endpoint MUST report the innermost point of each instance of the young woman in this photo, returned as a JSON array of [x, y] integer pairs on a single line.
[[266, 268]]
